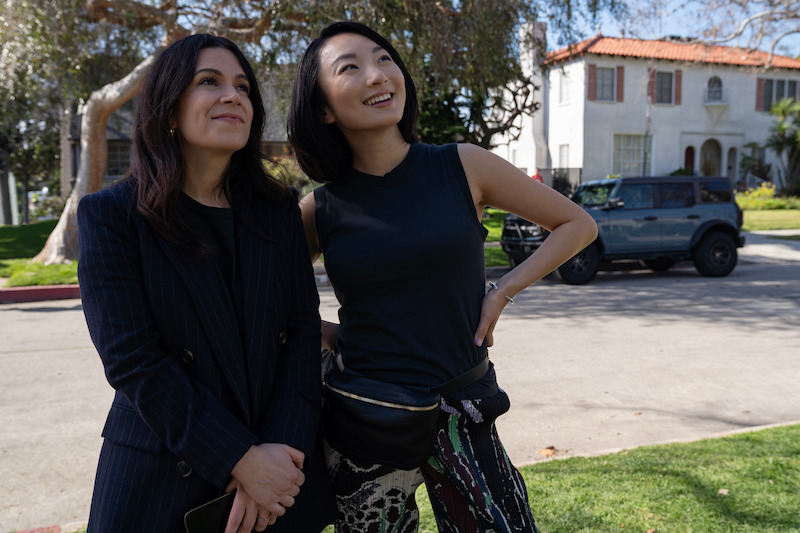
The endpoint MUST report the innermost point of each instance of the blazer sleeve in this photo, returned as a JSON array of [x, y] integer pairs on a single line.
[[294, 410], [181, 412]]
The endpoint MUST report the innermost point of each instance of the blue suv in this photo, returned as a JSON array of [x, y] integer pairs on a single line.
[[658, 221]]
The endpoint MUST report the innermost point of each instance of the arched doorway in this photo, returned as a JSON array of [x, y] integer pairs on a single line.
[[711, 158], [688, 158]]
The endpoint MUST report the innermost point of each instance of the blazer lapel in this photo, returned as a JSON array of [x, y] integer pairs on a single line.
[[257, 263], [217, 318]]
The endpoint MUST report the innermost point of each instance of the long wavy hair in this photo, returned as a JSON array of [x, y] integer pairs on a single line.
[[159, 168], [321, 149]]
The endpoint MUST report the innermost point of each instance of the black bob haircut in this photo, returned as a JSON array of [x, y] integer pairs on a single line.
[[321, 150]]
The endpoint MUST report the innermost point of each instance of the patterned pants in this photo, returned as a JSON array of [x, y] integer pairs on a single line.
[[473, 486]]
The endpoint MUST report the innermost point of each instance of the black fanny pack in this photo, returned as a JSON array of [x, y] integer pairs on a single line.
[[382, 422]]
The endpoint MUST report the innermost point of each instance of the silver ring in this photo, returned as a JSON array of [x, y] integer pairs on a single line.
[[261, 518], [493, 285]]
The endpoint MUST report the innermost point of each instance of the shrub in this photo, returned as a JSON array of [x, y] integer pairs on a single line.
[[287, 170], [764, 197], [682, 172]]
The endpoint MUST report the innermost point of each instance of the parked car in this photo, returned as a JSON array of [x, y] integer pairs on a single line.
[[656, 220]]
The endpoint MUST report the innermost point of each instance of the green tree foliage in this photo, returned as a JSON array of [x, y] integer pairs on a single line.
[[52, 57], [464, 55]]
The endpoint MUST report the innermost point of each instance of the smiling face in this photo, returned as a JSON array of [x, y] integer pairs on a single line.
[[214, 113], [364, 88]]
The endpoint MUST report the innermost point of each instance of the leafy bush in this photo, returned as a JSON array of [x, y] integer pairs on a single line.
[[682, 172], [764, 197], [286, 169]]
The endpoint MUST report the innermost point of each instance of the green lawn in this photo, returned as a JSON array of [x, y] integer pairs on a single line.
[[771, 219], [24, 241]]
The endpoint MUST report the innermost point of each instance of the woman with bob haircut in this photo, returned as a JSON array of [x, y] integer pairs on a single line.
[[201, 302], [399, 224]]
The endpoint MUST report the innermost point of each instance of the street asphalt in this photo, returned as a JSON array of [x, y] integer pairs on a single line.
[[631, 359]]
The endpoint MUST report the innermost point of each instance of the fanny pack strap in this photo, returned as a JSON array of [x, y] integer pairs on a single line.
[[467, 378], [459, 382]]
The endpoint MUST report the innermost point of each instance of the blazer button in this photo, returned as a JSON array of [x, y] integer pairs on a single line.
[[282, 337], [188, 356], [183, 469]]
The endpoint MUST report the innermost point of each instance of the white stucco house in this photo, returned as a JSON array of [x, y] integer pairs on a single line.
[[635, 107]]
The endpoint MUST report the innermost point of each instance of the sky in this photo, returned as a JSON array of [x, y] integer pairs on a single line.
[[679, 23]]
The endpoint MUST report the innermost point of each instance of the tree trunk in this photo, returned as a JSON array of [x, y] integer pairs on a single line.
[[62, 244], [65, 119]]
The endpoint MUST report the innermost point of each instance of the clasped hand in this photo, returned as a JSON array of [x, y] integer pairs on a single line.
[[267, 479]]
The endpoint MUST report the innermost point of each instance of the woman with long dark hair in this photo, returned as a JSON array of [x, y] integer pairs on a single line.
[[399, 225], [200, 299]]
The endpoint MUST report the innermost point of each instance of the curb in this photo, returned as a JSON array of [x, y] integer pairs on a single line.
[[38, 293]]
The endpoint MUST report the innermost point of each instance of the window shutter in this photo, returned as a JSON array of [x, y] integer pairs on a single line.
[[591, 89], [651, 84], [760, 94], [620, 84], [678, 79]]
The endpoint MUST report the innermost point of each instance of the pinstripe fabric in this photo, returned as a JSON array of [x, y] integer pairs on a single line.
[[190, 389]]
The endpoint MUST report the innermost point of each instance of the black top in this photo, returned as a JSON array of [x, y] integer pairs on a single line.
[[216, 228], [404, 253]]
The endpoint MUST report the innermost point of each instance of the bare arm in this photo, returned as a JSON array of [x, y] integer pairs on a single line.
[[307, 207], [496, 182]]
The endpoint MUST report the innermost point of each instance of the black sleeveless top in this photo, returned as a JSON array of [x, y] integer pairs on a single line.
[[404, 254]]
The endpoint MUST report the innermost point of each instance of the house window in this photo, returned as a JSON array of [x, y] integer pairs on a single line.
[[629, 154], [775, 90], [664, 87], [714, 93], [563, 89], [605, 84], [563, 156], [119, 158]]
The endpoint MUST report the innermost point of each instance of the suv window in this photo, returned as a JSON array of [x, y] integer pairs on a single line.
[[676, 194], [594, 195], [715, 192], [637, 195]]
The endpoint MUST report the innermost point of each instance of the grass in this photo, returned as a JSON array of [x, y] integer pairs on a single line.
[[24, 241], [771, 219], [18, 244], [746, 483], [493, 221]]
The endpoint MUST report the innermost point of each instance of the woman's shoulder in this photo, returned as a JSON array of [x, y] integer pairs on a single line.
[[120, 195]]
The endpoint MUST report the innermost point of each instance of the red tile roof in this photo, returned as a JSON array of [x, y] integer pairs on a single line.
[[695, 52]]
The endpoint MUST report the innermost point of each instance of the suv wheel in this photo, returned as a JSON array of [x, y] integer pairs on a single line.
[[582, 268], [662, 264], [715, 256]]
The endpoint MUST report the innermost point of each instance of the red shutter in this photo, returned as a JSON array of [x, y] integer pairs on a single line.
[[651, 84], [678, 80], [591, 89], [620, 84], [760, 94]]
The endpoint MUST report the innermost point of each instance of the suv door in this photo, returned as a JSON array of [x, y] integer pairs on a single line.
[[635, 227], [677, 214]]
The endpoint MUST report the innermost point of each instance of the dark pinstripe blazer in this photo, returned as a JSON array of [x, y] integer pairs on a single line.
[[194, 388]]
